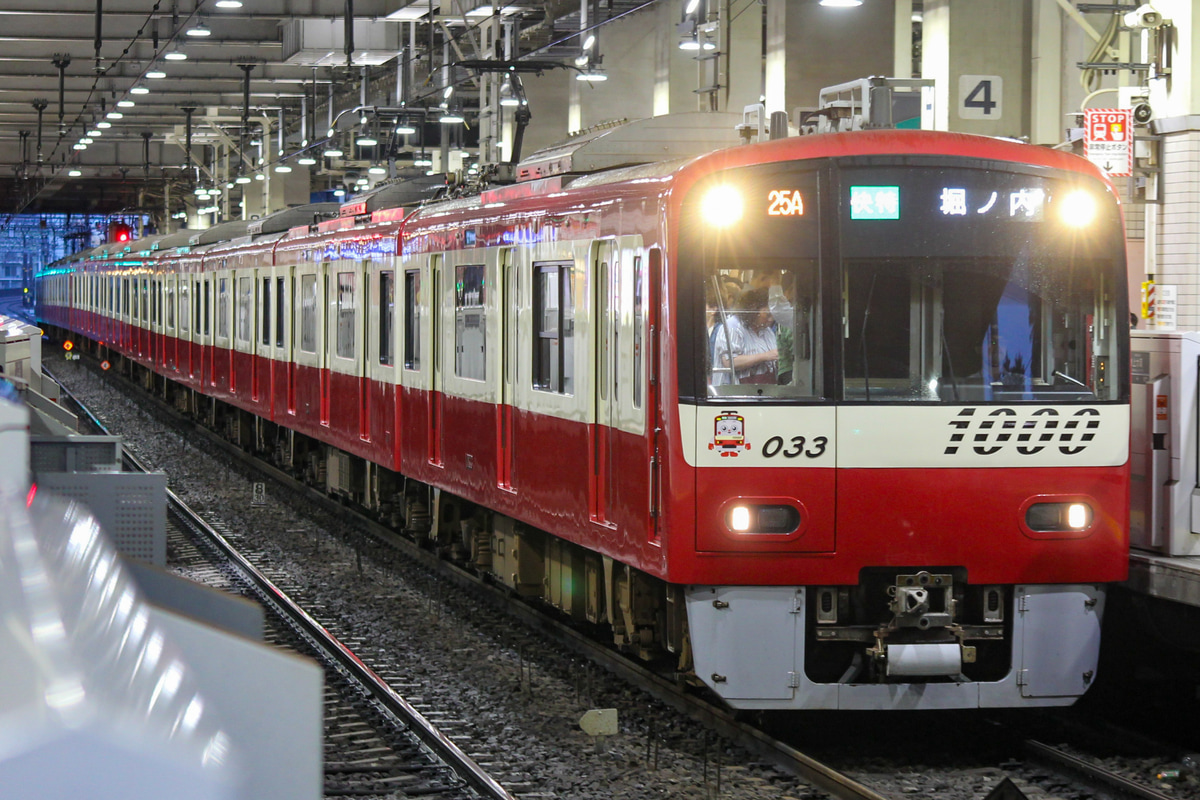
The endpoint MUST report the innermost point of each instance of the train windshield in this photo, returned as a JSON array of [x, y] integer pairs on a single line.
[[973, 285], [950, 284]]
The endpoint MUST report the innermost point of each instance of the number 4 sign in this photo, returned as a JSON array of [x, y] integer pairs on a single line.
[[980, 96]]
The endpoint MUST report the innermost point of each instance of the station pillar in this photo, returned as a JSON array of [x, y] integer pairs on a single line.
[[810, 46], [978, 52], [1171, 225]]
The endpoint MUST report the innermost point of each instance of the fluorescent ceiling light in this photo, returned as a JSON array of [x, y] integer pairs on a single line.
[[405, 130], [199, 30], [841, 3], [451, 119], [332, 152], [242, 179], [126, 103], [155, 74], [411, 12], [366, 141], [306, 161], [229, 3], [74, 173], [80, 146], [115, 115], [139, 90], [176, 55], [103, 124], [377, 171], [283, 168], [592, 77]]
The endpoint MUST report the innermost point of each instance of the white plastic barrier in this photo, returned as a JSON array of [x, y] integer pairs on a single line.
[[95, 700]]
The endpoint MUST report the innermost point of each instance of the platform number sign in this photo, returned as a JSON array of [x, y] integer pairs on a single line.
[[980, 97]]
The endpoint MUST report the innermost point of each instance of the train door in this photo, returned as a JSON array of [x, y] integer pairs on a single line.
[[281, 363], [363, 323], [605, 276], [436, 349], [509, 314], [261, 380], [328, 314]]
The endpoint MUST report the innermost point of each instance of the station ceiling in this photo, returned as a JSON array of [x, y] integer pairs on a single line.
[[67, 66]]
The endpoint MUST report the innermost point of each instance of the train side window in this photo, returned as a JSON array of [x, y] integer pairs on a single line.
[[470, 323], [207, 306], [170, 293], [133, 308], [145, 299], [308, 313], [185, 306], [412, 319], [346, 313], [387, 315], [266, 311], [223, 308], [245, 326], [280, 309], [554, 328]]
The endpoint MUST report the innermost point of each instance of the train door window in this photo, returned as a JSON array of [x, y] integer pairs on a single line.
[[112, 307], [412, 319], [207, 306], [146, 300], [125, 296], [470, 323], [133, 293], [280, 309], [308, 313], [185, 306], [155, 317], [554, 328], [223, 308], [266, 311], [170, 293], [345, 314], [245, 317], [387, 315]]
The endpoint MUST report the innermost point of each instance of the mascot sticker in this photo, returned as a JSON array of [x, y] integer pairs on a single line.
[[729, 433]]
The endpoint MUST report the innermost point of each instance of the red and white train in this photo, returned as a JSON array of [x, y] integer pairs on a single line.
[[914, 501]]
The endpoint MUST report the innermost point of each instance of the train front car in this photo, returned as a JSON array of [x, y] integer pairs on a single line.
[[903, 365]]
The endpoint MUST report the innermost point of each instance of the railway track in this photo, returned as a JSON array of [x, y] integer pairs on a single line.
[[377, 744], [1091, 779]]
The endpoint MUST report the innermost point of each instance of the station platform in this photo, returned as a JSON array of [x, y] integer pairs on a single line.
[[1175, 578]]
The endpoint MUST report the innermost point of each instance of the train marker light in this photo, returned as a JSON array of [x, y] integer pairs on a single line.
[[722, 206], [739, 519], [1078, 516], [1077, 209]]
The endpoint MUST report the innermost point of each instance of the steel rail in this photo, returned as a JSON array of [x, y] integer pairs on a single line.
[[328, 644]]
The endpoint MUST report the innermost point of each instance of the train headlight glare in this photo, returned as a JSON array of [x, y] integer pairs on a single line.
[[1077, 209], [1078, 516], [722, 206], [739, 519]]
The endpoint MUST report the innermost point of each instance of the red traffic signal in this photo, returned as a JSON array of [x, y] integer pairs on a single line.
[[119, 232]]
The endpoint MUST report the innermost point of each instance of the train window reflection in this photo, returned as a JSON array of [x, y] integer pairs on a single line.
[[975, 330]]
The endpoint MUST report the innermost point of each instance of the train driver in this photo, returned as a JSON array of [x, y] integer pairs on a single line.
[[749, 341]]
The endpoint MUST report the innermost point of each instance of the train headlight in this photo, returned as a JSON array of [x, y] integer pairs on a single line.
[[1077, 209], [764, 518], [722, 206], [1048, 517]]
